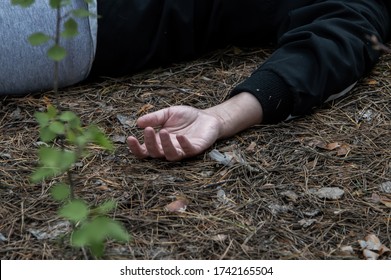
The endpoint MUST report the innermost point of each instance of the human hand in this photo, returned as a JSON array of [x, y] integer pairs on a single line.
[[179, 132], [175, 133]]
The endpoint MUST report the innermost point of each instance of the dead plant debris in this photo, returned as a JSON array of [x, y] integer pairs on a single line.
[[257, 206]]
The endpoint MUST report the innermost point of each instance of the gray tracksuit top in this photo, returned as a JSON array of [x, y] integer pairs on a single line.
[[19, 72]]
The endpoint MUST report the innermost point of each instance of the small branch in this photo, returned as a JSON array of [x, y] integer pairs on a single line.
[[71, 184], [56, 63], [57, 42]]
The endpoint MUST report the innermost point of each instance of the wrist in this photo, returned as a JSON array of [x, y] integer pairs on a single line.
[[236, 114]]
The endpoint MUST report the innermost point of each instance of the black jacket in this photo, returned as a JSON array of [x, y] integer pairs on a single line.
[[321, 45], [322, 51]]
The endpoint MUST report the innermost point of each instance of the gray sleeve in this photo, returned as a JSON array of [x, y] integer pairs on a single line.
[[25, 68]]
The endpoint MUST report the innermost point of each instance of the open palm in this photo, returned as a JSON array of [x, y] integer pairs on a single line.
[[175, 133]]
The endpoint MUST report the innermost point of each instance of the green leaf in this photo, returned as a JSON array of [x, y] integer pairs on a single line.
[[105, 208], [95, 232], [38, 38], [75, 124], [117, 232], [43, 173], [52, 112], [57, 127], [71, 137], [81, 13], [42, 118], [59, 3], [83, 237], [97, 249], [55, 3], [52, 162], [82, 140], [68, 116], [75, 211], [46, 134], [70, 29], [23, 3], [57, 53], [56, 159], [61, 191], [50, 157], [99, 138], [91, 232]]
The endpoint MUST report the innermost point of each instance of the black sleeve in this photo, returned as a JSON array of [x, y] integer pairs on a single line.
[[322, 50]]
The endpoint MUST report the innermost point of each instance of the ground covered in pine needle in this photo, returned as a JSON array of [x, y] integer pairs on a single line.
[[318, 187]]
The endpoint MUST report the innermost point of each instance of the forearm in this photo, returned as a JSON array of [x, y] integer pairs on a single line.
[[237, 114]]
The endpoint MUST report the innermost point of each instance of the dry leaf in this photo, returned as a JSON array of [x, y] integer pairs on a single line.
[[291, 195], [371, 82], [16, 114], [363, 244], [221, 197], [5, 156], [118, 139], [372, 247], [178, 205], [330, 193], [343, 150], [103, 188], [251, 147], [223, 159], [220, 237], [312, 213], [145, 108], [47, 101], [277, 209], [332, 146], [375, 198], [307, 222], [52, 231], [370, 255], [373, 242], [384, 249], [347, 250], [125, 120], [386, 201], [236, 157], [316, 143]]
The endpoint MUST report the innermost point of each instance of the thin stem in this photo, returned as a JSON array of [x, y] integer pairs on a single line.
[[57, 42], [71, 184]]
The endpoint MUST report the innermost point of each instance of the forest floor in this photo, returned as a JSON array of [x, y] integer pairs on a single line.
[[317, 187]]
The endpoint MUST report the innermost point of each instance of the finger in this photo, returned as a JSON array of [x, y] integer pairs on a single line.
[[136, 148], [154, 119], [188, 148], [170, 151], [151, 144]]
